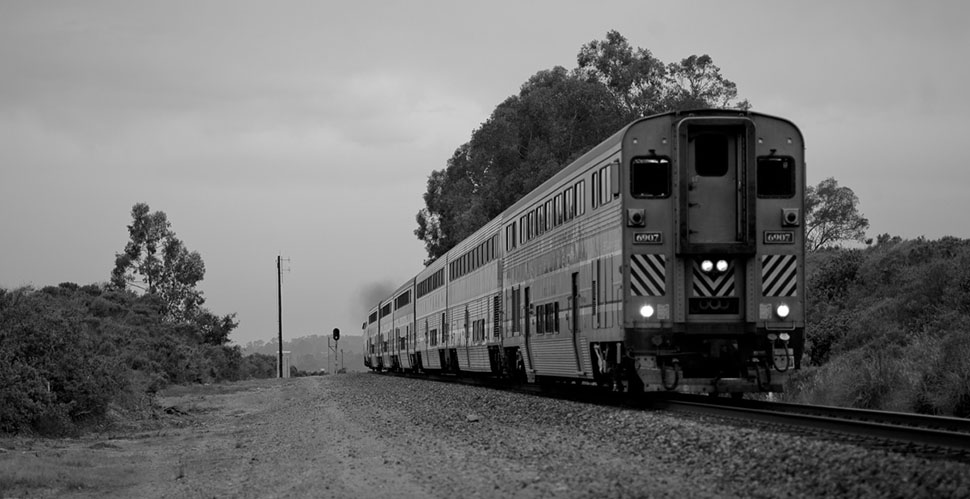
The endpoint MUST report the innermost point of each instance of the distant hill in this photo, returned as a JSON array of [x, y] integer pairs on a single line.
[[309, 353]]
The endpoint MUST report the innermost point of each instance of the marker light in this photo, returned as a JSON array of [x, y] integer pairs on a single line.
[[722, 265], [784, 336], [646, 311], [707, 265], [783, 311]]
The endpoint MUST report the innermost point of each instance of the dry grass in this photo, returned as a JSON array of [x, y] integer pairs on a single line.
[[43, 468]]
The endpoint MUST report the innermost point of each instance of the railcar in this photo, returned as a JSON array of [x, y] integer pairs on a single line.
[[670, 257]]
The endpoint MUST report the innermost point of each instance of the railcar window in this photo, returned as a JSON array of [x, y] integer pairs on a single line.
[[776, 177], [650, 178], [569, 204], [580, 189], [711, 155], [510, 237], [557, 316], [562, 208], [540, 318], [605, 185], [595, 190], [547, 209]]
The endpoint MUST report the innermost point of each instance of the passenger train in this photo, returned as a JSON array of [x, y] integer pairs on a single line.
[[670, 257]]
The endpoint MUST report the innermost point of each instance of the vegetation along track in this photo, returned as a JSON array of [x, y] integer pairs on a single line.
[[929, 436]]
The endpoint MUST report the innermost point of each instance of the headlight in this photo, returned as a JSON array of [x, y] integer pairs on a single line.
[[707, 265], [783, 311], [646, 311], [722, 265]]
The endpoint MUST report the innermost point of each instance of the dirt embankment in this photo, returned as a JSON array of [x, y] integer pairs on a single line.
[[362, 435]]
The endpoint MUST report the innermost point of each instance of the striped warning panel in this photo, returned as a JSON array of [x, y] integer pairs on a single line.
[[713, 284], [648, 275], [779, 275]]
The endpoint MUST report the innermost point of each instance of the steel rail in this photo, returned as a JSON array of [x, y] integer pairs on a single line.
[[941, 432]]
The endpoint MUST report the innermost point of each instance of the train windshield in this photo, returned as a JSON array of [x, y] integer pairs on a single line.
[[650, 177]]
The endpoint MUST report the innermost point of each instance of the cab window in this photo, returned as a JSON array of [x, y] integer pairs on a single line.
[[776, 177], [650, 177]]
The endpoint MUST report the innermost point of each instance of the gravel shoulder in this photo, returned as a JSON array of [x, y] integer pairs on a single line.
[[364, 435]]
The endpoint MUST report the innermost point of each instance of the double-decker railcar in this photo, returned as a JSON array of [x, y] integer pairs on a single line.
[[401, 344], [670, 257]]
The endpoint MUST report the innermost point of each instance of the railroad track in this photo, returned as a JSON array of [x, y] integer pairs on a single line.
[[931, 436], [902, 431]]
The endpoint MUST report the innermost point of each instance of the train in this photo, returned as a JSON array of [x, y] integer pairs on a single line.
[[668, 258]]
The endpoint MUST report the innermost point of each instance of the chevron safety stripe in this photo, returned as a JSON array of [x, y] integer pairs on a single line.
[[779, 275], [713, 284], [648, 275]]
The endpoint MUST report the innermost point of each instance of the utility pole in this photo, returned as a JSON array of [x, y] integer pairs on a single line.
[[279, 298]]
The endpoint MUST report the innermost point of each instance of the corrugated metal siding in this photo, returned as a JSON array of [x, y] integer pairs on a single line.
[[430, 358], [554, 355], [477, 359]]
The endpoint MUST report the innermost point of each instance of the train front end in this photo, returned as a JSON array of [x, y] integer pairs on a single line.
[[714, 298]]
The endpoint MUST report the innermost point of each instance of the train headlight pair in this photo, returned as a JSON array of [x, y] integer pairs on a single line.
[[708, 265]]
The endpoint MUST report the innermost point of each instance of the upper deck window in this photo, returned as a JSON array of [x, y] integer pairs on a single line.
[[650, 177], [776, 177]]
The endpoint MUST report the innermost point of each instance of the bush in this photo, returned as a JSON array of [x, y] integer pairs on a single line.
[[889, 327], [70, 353]]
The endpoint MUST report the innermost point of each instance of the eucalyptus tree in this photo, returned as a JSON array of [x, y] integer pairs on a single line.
[[158, 263]]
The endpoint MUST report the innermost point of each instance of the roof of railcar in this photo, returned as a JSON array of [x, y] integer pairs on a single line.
[[614, 142]]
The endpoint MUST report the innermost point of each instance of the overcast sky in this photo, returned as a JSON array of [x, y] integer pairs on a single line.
[[308, 129]]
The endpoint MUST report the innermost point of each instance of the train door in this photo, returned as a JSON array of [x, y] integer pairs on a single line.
[[715, 188], [527, 329], [574, 319], [468, 337]]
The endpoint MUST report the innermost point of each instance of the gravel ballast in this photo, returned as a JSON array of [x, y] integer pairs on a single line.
[[537, 447], [367, 435]]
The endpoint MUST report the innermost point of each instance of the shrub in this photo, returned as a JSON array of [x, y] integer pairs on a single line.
[[71, 354], [889, 327]]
